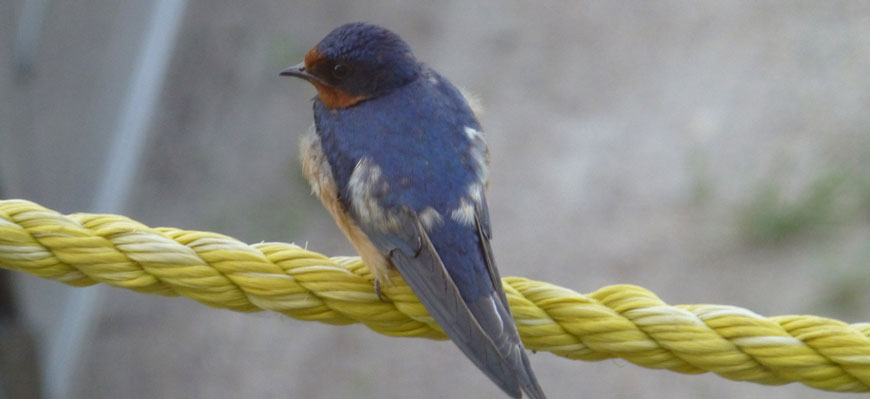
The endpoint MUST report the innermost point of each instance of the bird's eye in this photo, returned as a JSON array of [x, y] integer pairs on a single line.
[[340, 71]]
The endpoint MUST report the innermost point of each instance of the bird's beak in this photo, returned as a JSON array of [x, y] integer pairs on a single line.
[[299, 71]]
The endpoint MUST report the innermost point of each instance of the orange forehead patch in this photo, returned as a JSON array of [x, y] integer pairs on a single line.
[[312, 57]]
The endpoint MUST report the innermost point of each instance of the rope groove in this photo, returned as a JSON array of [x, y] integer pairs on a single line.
[[616, 321]]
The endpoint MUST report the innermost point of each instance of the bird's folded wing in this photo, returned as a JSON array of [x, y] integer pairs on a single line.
[[413, 254], [494, 314]]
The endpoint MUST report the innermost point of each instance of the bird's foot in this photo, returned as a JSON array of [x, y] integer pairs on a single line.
[[378, 290]]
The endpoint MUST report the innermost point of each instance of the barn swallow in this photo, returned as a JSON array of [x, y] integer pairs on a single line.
[[398, 159]]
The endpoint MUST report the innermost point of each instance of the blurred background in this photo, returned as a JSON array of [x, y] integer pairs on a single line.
[[712, 152]]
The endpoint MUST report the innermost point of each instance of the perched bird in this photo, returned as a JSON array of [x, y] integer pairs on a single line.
[[398, 159]]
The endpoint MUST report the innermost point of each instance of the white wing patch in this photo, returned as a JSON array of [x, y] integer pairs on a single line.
[[473, 199], [430, 218], [472, 133], [478, 154], [364, 185], [464, 213], [475, 192]]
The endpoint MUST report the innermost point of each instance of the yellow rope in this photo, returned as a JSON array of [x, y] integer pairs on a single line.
[[623, 320]]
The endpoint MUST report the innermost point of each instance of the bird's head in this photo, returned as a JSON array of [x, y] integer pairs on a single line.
[[356, 62]]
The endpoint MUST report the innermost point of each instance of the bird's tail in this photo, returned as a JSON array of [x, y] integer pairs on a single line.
[[528, 381], [496, 321]]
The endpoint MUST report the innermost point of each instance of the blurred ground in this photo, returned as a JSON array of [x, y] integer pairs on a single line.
[[714, 152]]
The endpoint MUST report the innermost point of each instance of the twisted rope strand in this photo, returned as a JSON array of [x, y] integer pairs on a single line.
[[616, 321]]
